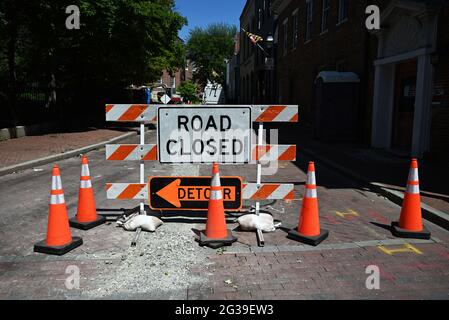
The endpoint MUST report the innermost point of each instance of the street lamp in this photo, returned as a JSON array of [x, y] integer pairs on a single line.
[[269, 41]]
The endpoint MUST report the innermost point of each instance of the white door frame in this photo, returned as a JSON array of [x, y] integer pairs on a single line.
[[385, 66]]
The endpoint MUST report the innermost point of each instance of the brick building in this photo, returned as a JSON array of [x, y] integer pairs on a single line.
[[256, 80], [410, 107], [174, 80], [403, 91], [233, 74], [247, 63]]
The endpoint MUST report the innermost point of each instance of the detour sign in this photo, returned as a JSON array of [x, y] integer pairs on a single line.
[[191, 193]]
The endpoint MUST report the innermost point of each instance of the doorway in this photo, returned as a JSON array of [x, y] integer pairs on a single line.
[[404, 106]]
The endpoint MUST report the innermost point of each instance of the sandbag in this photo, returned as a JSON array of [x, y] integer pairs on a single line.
[[147, 223], [252, 222]]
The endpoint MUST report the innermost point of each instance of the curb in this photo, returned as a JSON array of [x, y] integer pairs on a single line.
[[429, 213], [23, 131], [61, 156]]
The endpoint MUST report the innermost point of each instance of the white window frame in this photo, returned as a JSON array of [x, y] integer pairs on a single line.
[[325, 15], [295, 25], [343, 7], [309, 20], [285, 30]]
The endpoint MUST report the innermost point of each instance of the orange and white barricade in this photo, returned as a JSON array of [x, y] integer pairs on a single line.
[[148, 152]]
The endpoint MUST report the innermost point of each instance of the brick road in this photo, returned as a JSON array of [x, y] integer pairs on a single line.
[[283, 269]]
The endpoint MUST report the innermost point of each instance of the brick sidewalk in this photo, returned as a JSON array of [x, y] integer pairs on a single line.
[[379, 166], [15, 151]]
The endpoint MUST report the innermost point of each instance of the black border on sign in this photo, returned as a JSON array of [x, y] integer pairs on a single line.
[[240, 192], [208, 107]]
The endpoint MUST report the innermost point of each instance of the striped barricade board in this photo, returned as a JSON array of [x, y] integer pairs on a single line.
[[131, 152], [148, 113], [269, 153], [148, 152], [251, 191]]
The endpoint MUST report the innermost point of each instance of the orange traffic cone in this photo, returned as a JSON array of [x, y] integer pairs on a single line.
[[308, 230], [86, 217], [216, 234], [59, 240], [410, 223]]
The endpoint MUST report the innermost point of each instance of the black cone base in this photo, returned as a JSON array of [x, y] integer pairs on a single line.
[[403, 233], [42, 247], [313, 241], [216, 243], [74, 223]]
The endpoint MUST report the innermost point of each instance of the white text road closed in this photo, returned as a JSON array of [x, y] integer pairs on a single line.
[[204, 134]]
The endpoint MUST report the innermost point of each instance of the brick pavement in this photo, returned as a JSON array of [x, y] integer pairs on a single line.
[[284, 269], [15, 151], [358, 221], [338, 274]]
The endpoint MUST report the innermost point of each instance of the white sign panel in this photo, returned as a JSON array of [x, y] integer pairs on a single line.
[[204, 134], [165, 99]]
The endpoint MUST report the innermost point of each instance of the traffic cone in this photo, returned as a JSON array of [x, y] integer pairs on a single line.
[[86, 217], [308, 230], [59, 240], [410, 223], [216, 234]]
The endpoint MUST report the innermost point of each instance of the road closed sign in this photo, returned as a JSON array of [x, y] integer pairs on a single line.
[[204, 134]]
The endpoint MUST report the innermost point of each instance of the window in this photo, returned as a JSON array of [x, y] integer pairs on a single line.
[[253, 27], [342, 10], [285, 27], [325, 15], [266, 9], [247, 44], [309, 19], [243, 45], [295, 28]]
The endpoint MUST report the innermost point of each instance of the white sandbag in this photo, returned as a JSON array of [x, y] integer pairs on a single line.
[[252, 222], [147, 223]]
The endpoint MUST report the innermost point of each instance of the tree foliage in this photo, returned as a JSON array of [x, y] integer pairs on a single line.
[[188, 91], [119, 41], [208, 49]]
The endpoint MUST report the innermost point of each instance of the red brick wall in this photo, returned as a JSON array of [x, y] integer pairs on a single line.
[[440, 111], [350, 45], [189, 71], [167, 79], [342, 45]]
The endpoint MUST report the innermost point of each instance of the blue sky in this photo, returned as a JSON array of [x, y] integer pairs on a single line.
[[200, 13]]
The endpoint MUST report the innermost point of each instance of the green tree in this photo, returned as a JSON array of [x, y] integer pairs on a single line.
[[119, 41], [188, 91], [208, 49]]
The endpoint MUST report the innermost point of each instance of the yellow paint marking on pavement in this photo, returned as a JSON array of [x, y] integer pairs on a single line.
[[405, 248], [349, 213]]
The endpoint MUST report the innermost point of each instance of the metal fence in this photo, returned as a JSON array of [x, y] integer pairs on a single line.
[[69, 106]]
